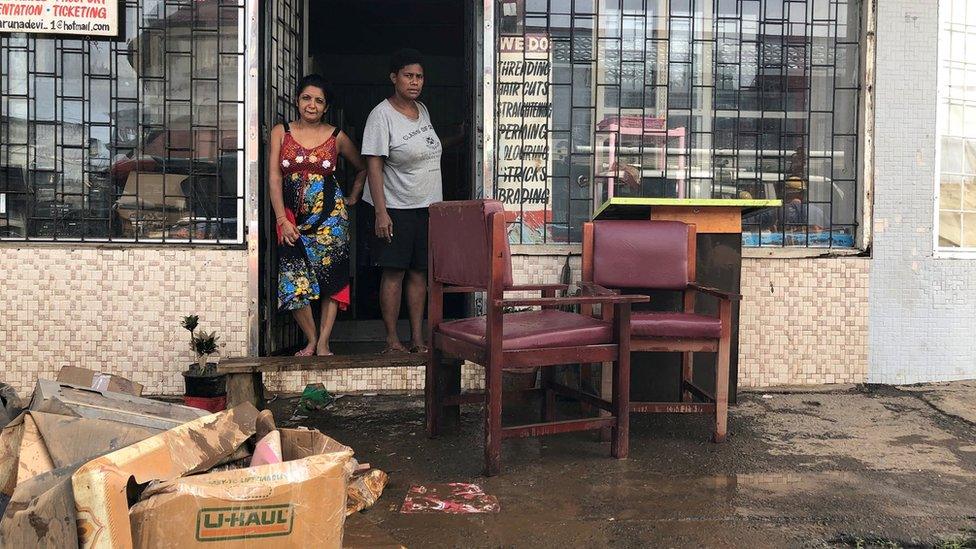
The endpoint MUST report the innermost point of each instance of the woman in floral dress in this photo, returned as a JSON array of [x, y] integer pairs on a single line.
[[310, 207]]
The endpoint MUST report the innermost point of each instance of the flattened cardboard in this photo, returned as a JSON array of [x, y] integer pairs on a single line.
[[83, 377], [300, 502], [41, 511], [100, 486], [11, 403], [59, 398]]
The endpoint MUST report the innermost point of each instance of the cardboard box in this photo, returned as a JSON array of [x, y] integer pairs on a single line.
[[59, 398], [83, 377], [102, 486], [300, 502], [39, 453], [37, 442]]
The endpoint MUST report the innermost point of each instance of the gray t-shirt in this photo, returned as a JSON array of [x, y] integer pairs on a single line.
[[412, 170]]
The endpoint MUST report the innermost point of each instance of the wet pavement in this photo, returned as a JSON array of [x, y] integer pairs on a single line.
[[856, 466]]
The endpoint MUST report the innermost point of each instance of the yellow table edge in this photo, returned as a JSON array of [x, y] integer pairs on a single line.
[[690, 202]]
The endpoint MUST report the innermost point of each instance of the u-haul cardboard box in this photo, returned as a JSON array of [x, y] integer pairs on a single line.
[[300, 502]]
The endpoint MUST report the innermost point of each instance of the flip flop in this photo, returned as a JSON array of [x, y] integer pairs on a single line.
[[304, 353], [419, 349]]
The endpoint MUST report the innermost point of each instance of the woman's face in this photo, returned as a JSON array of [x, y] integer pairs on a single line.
[[409, 81], [311, 104]]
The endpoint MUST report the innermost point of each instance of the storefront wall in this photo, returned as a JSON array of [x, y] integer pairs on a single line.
[[923, 292], [116, 310]]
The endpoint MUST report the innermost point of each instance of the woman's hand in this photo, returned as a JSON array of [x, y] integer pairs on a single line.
[[289, 232], [384, 226]]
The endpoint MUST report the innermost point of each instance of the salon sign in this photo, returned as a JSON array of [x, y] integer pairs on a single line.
[[78, 17]]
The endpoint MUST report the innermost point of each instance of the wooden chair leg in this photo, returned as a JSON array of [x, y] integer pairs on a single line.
[[722, 377], [549, 400], [620, 437], [606, 393], [493, 418], [432, 401], [687, 375]]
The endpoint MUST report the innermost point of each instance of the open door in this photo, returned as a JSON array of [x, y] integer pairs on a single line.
[[350, 42], [284, 46]]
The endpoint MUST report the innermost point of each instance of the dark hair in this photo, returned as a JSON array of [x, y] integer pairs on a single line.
[[317, 81], [405, 57]]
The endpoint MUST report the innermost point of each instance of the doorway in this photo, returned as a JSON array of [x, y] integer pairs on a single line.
[[350, 42]]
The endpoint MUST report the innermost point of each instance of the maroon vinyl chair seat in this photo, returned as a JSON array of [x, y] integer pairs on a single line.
[[674, 324], [469, 252], [661, 256], [535, 330]]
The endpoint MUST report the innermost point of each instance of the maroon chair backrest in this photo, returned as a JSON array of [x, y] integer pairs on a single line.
[[640, 254], [460, 237]]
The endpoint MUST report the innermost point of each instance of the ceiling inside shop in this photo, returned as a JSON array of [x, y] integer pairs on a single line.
[[435, 27]]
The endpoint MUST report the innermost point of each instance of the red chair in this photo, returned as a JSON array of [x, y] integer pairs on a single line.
[[469, 253], [660, 255]]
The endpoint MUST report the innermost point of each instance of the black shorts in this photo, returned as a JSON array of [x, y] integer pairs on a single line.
[[408, 248]]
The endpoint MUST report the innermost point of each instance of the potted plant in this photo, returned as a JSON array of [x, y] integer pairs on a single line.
[[201, 379]]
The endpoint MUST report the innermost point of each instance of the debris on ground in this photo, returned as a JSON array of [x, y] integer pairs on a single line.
[[365, 489], [11, 404], [296, 503], [315, 397], [83, 377], [89, 467], [64, 399], [267, 450], [40, 453], [452, 498]]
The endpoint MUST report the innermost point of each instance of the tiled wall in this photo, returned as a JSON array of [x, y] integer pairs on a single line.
[[803, 321], [115, 310]]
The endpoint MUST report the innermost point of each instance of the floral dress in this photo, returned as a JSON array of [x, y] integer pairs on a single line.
[[318, 263]]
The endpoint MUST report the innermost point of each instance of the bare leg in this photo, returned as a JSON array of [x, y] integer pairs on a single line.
[[330, 308], [391, 291], [306, 322], [416, 300]]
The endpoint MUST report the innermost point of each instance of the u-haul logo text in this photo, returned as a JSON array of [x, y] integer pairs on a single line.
[[244, 522]]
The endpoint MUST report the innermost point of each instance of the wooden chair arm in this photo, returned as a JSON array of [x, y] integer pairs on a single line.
[[461, 289], [535, 287], [721, 294], [580, 300], [594, 289]]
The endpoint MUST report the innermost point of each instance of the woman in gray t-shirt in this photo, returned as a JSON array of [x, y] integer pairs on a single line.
[[403, 154]]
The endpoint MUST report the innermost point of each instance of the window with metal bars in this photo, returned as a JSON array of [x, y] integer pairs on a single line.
[[684, 99], [132, 140]]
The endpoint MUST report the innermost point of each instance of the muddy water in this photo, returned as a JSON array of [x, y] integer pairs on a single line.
[[844, 471]]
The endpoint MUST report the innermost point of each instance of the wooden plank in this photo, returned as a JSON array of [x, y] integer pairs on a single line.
[[706, 219], [698, 392], [529, 358], [672, 407], [245, 387], [673, 345], [555, 427], [334, 362], [460, 349], [478, 397], [581, 396]]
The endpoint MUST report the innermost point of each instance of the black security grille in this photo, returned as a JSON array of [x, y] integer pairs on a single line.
[[137, 139], [691, 99]]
